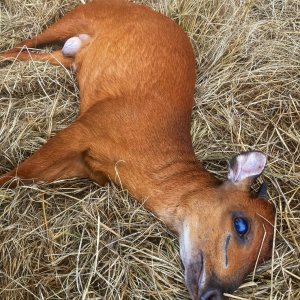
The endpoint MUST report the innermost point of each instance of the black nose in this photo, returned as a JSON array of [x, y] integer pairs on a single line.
[[212, 295]]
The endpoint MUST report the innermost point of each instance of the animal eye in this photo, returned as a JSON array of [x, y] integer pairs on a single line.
[[240, 225]]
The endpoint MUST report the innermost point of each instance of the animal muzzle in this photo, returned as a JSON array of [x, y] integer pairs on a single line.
[[213, 290], [194, 275], [212, 294], [209, 292], [200, 279], [200, 286]]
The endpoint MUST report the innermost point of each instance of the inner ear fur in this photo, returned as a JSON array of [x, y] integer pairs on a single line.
[[245, 167]]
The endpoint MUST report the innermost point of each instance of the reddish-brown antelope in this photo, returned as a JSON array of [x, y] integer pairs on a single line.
[[136, 73]]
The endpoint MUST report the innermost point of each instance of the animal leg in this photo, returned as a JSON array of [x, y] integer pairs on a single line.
[[54, 58], [72, 24], [59, 158], [75, 23]]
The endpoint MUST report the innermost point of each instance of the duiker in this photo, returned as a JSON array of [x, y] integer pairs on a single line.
[[136, 73]]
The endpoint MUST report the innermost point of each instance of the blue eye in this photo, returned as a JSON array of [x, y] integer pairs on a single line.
[[241, 225]]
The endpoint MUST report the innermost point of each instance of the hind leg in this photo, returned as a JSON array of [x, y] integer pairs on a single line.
[[72, 24], [64, 57], [54, 58], [59, 158]]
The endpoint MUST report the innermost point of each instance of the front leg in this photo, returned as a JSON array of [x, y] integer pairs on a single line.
[[59, 158]]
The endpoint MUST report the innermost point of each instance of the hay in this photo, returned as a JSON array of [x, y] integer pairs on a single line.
[[76, 240]]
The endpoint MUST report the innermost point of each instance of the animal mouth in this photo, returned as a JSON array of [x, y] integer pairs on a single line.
[[195, 276], [202, 278]]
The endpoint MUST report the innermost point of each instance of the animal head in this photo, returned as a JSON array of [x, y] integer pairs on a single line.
[[226, 230]]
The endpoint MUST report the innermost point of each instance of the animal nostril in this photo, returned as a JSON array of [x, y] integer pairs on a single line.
[[212, 295]]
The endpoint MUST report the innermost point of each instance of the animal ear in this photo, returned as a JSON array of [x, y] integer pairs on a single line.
[[263, 191], [245, 167]]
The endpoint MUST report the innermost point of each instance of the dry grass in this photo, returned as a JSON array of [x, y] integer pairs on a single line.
[[76, 240]]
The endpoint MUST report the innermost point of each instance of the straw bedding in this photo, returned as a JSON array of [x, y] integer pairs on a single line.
[[76, 240]]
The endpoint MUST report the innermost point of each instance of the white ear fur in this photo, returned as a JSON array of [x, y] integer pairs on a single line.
[[246, 165]]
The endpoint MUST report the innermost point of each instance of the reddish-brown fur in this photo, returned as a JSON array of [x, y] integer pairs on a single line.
[[136, 77]]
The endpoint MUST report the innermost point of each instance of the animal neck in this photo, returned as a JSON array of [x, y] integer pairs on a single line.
[[173, 184]]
